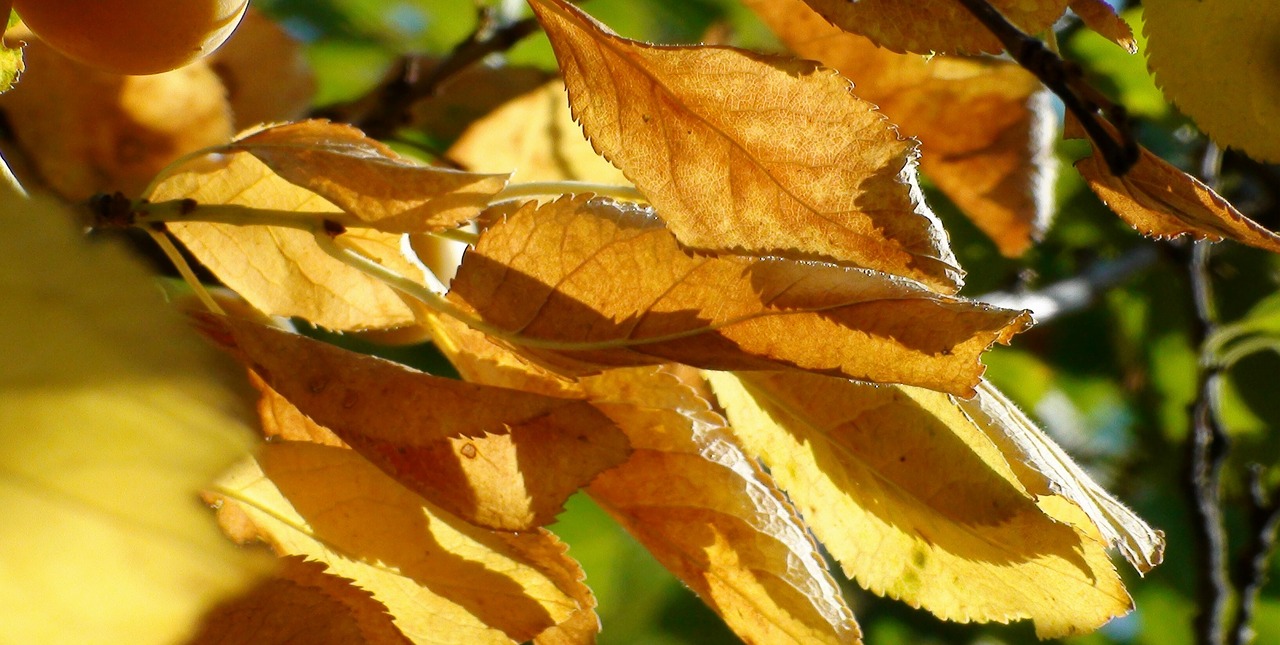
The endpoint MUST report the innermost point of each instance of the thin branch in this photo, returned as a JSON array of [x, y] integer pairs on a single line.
[[1255, 559], [1077, 293], [1066, 80]]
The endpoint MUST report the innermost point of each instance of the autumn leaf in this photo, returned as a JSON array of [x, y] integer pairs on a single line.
[[496, 457], [985, 126], [1101, 17], [367, 179], [590, 283], [302, 603], [265, 72], [1218, 62], [917, 503], [1161, 201], [442, 579], [745, 152], [935, 26], [114, 415], [468, 96]]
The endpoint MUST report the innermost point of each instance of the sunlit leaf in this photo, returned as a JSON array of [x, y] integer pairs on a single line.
[[302, 603], [1218, 62], [985, 126], [935, 26], [917, 503], [495, 457], [369, 180], [1101, 17], [114, 415], [739, 151], [280, 270], [589, 283], [443, 580]]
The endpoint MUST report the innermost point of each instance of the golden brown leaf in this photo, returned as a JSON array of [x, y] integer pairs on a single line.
[[1163, 202], [367, 179], [1101, 17], [302, 603], [498, 458], [443, 580], [279, 270], [468, 96], [740, 151], [88, 131], [917, 503], [935, 26], [708, 513], [985, 126], [265, 72], [534, 135], [590, 283]]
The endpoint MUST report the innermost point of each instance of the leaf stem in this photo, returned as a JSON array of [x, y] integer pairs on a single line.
[[543, 188], [186, 210], [7, 178], [180, 263]]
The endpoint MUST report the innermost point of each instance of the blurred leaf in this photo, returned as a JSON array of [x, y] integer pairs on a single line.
[[1114, 69], [267, 78], [935, 26]]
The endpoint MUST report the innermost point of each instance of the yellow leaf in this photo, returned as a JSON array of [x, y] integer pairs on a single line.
[[443, 580], [985, 126], [265, 72], [935, 26], [534, 135], [1163, 202], [1101, 17], [114, 415], [589, 283], [708, 513], [88, 131], [280, 270], [302, 603], [745, 152], [1217, 62], [467, 97], [367, 179], [917, 503]]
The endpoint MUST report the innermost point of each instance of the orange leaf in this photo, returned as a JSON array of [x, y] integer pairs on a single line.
[[369, 180], [1162, 202], [265, 72], [499, 458], [917, 502], [302, 603], [708, 513], [935, 26], [439, 577], [1101, 17], [739, 151], [985, 126], [603, 284]]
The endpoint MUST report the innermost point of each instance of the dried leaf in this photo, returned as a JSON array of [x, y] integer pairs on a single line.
[[591, 283], [1218, 62], [986, 126], [369, 180], [278, 270], [114, 415], [265, 72], [498, 458], [740, 151], [1162, 202], [443, 580], [468, 96], [708, 513], [534, 135], [110, 132], [1101, 17], [935, 26], [302, 603], [917, 503]]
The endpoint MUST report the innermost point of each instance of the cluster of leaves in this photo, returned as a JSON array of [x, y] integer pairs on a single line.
[[742, 332]]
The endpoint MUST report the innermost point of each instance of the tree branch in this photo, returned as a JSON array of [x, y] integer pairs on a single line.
[[1255, 559], [1077, 293]]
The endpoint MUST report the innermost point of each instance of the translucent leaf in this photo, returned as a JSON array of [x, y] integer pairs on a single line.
[[301, 603], [739, 151], [1101, 17], [587, 284], [443, 580], [917, 503], [499, 458], [1218, 62], [114, 416], [985, 126], [935, 26]]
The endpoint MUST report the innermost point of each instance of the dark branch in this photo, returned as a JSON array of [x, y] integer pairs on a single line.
[[1079, 292], [1066, 80], [1255, 559]]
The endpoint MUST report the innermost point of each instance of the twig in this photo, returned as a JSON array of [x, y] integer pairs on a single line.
[[383, 111], [1255, 559], [1065, 80], [1077, 293]]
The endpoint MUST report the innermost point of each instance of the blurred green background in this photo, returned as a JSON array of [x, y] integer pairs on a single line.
[[1111, 383]]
